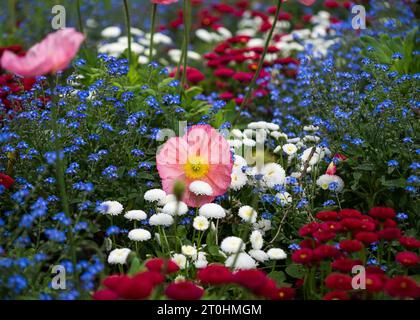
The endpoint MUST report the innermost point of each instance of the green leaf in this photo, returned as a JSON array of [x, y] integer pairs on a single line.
[[296, 270], [135, 266], [278, 276]]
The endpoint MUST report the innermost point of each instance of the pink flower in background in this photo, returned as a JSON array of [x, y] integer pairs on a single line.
[[202, 154], [164, 1], [52, 54], [307, 2]]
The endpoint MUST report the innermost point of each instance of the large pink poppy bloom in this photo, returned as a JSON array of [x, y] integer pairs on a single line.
[[164, 1], [52, 54], [201, 154]]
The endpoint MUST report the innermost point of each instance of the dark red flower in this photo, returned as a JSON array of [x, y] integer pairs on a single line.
[[389, 223], [349, 213], [351, 223], [367, 237], [410, 242], [243, 76], [327, 215], [374, 283], [345, 264], [351, 245], [184, 290], [253, 279], [402, 287], [6, 181], [308, 243], [307, 229], [154, 277], [224, 72], [382, 213], [324, 236], [161, 265], [407, 258], [326, 251], [112, 282], [134, 288], [389, 234], [284, 293], [215, 274], [332, 4], [104, 294], [332, 226], [338, 281], [336, 295], [303, 256]]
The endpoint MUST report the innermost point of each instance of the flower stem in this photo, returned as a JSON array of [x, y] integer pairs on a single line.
[[128, 25], [260, 64], [79, 16], [152, 31], [184, 54]]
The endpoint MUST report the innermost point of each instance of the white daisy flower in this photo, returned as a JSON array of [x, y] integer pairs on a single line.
[[278, 135], [232, 245], [263, 225], [243, 261], [238, 163], [111, 32], [257, 125], [235, 143], [135, 215], [276, 254], [259, 255], [139, 235], [272, 126], [180, 260], [237, 133], [161, 219], [256, 240], [201, 188], [189, 251], [200, 223], [311, 128], [168, 198], [325, 180], [289, 149], [212, 210], [112, 208], [311, 138], [175, 208], [248, 214], [249, 142], [284, 197], [118, 256], [154, 195], [273, 174], [238, 180]]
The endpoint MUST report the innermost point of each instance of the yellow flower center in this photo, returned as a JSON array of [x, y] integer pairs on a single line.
[[196, 167], [324, 186]]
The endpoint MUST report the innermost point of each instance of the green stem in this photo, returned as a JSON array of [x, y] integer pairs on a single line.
[[128, 25], [184, 55], [12, 14], [260, 64], [79, 16], [152, 31]]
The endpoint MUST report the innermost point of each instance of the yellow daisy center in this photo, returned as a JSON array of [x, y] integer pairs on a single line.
[[196, 167]]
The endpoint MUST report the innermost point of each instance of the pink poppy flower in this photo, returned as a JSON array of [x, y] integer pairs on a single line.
[[307, 2], [52, 54], [201, 154], [164, 1]]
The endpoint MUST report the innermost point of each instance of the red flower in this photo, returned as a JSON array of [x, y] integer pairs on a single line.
[[331, 4], [382, 213], [407, 258], [224, 72], [308, 229], [185, 290], [303, 256], [243, 76], [112, 282], [154, 277], [162, 266], [374, 283], [253, 279], [350, 213], [308, 243], [214, 274], [327, 215], [351, 223], [336, 295], [323, 236], [326, 251], [331, 226], [345, 264], [351, 245], [6, 181], [389, 234], [284, 293], [367, 237], [338, 281], [104, 294], [134, 288], [389, 223], [402, 287], [410, 242]]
